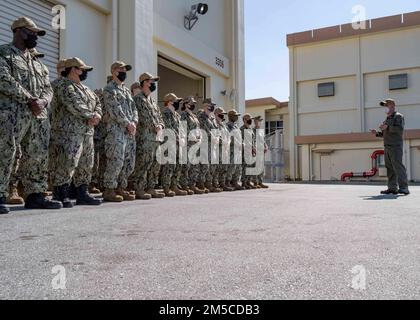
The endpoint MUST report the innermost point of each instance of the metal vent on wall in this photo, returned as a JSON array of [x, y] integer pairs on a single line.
[[40, 12]]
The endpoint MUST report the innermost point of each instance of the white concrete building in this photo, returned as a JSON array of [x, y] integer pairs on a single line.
[[338, 75], [207, 61]]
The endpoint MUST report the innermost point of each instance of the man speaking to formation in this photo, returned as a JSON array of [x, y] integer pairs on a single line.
[[392, 131]]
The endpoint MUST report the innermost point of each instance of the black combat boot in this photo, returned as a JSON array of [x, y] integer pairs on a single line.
[[3, 208], [38, 201], [62, 194], [84, 198]]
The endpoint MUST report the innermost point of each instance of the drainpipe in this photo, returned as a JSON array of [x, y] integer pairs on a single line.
[[115, 12]]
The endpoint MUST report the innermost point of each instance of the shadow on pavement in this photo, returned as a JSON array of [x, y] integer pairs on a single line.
[[383, 197]]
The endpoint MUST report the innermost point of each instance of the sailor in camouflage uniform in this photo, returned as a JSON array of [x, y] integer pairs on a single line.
[[25, 93], [120, 143], [78, 112], [248, 143], [224, 151], [171, 172], [258, 180], [147, 169], [208, 171], [191, 172], [99, 138], [234, 170], [15, 181]]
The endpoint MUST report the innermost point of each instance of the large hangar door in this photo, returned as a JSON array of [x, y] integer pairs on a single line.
[[179, 80], [40, 12]]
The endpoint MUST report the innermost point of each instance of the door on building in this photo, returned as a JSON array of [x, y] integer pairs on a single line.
[[180, 80], [325, 167], [40, 12], [415, 164]]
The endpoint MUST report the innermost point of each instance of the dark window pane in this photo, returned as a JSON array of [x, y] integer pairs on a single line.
[[326, 89], [398, 81]]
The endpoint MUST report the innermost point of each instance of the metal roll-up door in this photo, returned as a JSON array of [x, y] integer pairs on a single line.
[[40, 12]]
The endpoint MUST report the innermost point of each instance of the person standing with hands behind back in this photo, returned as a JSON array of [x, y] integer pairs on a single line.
[[392, 131]]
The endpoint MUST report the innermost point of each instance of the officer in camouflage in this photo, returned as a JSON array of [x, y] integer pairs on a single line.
[[15, 181], [248, 143], [52, 153], [258, 180], [171, 172], [120, 143], [234, 170], [392, 131], [208, 171], [25, 93], [224, 151], [78, 111], [191, 172], [146, 172]]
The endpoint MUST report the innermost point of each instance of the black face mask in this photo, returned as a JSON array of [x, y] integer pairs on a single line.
[[122, 76], [192, 107], [211, 109], [222, 117], [176, 105], [31, 41], [83, 76], [234, 119], [153, 87], [249, 122]]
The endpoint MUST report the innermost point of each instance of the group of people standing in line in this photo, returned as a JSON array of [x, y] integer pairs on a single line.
[[64, 136]]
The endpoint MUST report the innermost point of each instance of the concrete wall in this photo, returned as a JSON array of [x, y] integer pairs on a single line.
[[136, 31]]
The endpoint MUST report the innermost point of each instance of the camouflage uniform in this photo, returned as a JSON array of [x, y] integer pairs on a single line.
[[249, 142], [23, 77], [234, 170], [146, 172], [171, 173], [76, 105], [99, 138], [208, 171], [190, 172], [52, 151], [222, 168], [119, 145], [258, 179]]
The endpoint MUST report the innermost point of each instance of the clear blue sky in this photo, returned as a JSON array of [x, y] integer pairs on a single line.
[[267, 22]]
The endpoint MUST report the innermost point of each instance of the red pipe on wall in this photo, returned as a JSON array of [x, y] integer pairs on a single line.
[[367, 174]]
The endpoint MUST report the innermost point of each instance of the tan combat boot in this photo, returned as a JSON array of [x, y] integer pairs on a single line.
[[179, 192], [189, 191], [111, 196], [142, 195], [237, 187], [263, 186], [93, 189], [169, 193], [196, 190], [155, 194], [127, 196], [202, 187], [14, 197]]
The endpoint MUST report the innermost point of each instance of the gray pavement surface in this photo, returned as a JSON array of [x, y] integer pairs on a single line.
[[289, 242]]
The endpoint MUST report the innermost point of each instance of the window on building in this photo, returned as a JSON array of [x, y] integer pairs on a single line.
[[398, 81], [326, 89], [273, 126]]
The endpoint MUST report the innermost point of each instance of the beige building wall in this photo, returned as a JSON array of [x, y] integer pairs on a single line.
[[272, 110], [329, 135], [138, 31]]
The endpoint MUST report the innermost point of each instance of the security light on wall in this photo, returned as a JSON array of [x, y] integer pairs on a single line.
[[192, 18]]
